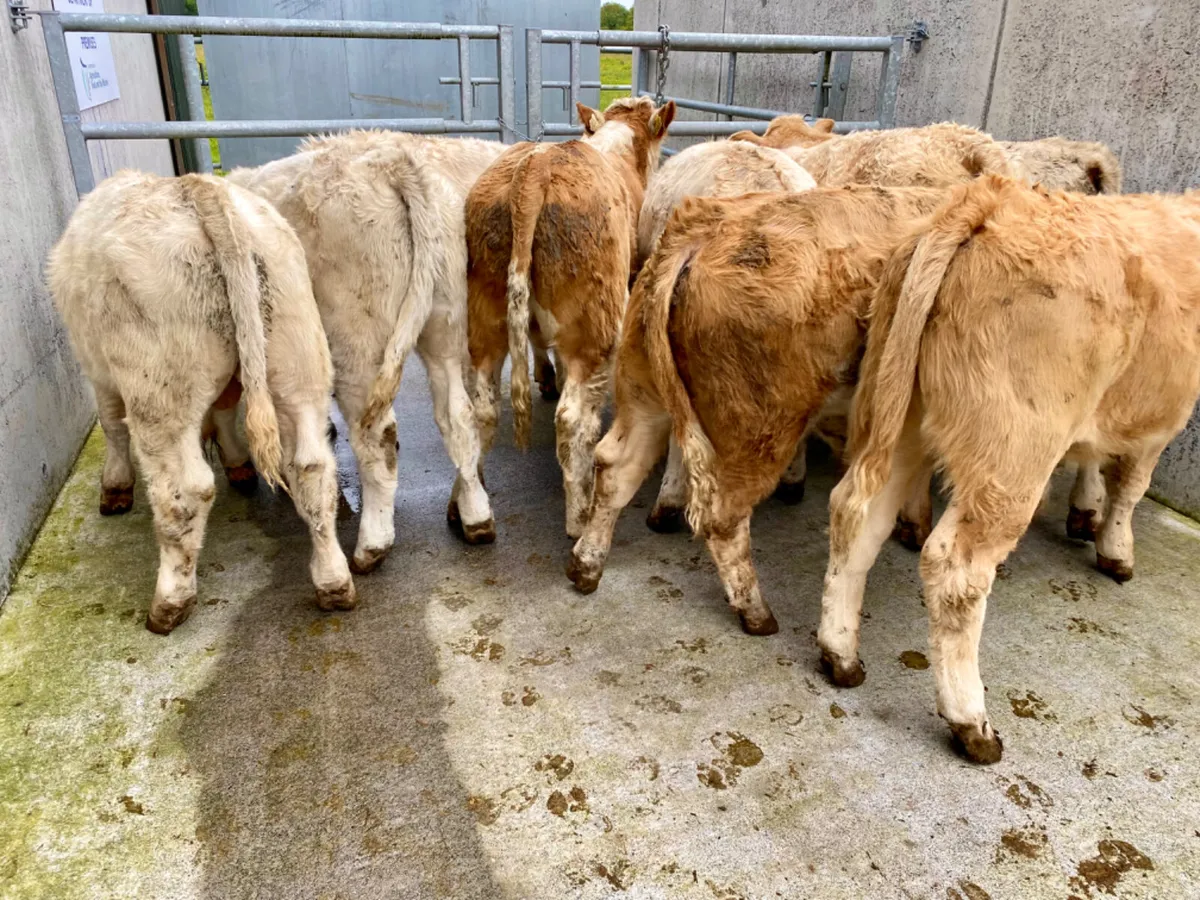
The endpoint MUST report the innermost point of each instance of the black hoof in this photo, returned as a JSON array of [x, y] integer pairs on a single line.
[[910, 534], [585, 580], [761, 627], [164, 621], [243, 479], [976, 746], [344, 597], [480, 533], [115, 502], [1118, 570], [364, 562], [841, 674], [790, 492], [666, 519], [1081, 524], [547, 384]]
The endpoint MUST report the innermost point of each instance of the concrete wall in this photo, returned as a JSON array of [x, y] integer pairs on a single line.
[[45, 405], [1122, 73]]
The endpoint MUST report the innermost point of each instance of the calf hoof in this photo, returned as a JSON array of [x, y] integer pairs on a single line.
[[841, 673], [910, 534], [365, 561], [341, 597], [453, 519], [790, 492], [549, 392], [979, 746], [1081, 524], [1116, 569], [115, 501], [585, 578], [165, 618], [759, 627], [666, 519], [480, 533], [243, 479]]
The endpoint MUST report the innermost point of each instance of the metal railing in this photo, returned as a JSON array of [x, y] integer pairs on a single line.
[[78, 133], [830, 87]]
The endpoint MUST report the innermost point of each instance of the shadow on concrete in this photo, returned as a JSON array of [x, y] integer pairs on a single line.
[[319, 742]]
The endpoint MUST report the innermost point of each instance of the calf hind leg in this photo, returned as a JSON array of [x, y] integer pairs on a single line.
[[915, 519], [667, 516], [181, 489], [1114, 541], [116, 481], [730, 549], [311, 473], [375, 450], [577, 428], [623, 459], [469, 508], [1089, 497], [235, 456]]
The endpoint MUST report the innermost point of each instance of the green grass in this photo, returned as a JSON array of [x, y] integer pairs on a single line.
[[615, 68], [208, 111]]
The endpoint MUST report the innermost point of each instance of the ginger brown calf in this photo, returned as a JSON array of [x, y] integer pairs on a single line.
[[748, 316], [552, 234]]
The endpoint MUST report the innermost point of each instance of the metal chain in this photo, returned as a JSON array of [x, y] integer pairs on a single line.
[[664, 62], [522, 135]]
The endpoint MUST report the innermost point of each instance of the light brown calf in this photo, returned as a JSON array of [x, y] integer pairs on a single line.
[[1015, 327], [1059, 164], [552, 230], [744, 321], [168, 287], [789, 132]]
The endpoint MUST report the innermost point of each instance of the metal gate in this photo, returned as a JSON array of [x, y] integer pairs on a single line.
[[646, 46]]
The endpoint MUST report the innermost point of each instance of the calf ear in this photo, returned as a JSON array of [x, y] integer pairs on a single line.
[[825, 126], [663, 116], [1099, 176], [748, 136], [591, 119]]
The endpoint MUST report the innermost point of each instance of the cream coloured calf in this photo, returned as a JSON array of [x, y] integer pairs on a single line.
[[1016, 326], [168, 288], [380, 215]]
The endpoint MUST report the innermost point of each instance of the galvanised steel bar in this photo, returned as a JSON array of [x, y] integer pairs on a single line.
[[465, 91], [507, 72], [717, 41], [533, 84], [889, 83], [68, 104], [747, 112], [122, 131], [260, 27], [575, 54], [195, 98]]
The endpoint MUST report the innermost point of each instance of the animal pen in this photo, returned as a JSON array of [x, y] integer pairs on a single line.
[[477, 728]]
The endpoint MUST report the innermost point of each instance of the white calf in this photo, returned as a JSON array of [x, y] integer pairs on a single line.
[[169, 287], [380, 216]]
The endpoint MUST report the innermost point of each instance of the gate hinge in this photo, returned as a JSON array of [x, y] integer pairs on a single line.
[[917, 34], [18, 11]]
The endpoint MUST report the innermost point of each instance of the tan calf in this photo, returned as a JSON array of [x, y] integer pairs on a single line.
[[1017, 326], [1059, 164], [380, 215], [168, 287], [552, 231], [748, 316], [789, 132]]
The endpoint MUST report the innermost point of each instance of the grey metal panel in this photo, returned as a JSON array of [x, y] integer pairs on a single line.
[[331, 78]]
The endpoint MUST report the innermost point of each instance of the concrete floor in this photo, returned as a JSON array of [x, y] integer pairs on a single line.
[[478, 729]]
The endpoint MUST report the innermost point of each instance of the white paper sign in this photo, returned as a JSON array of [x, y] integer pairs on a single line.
[[91, 57]]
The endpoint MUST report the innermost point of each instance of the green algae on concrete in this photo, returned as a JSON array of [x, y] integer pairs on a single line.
[[95, 798]]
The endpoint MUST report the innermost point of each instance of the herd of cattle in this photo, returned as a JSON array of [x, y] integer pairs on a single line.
[[920, 298]]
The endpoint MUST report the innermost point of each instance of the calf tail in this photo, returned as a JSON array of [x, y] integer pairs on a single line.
[[903, 302], [415, 192], [244, 274], [528, 194], [659, 281]]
